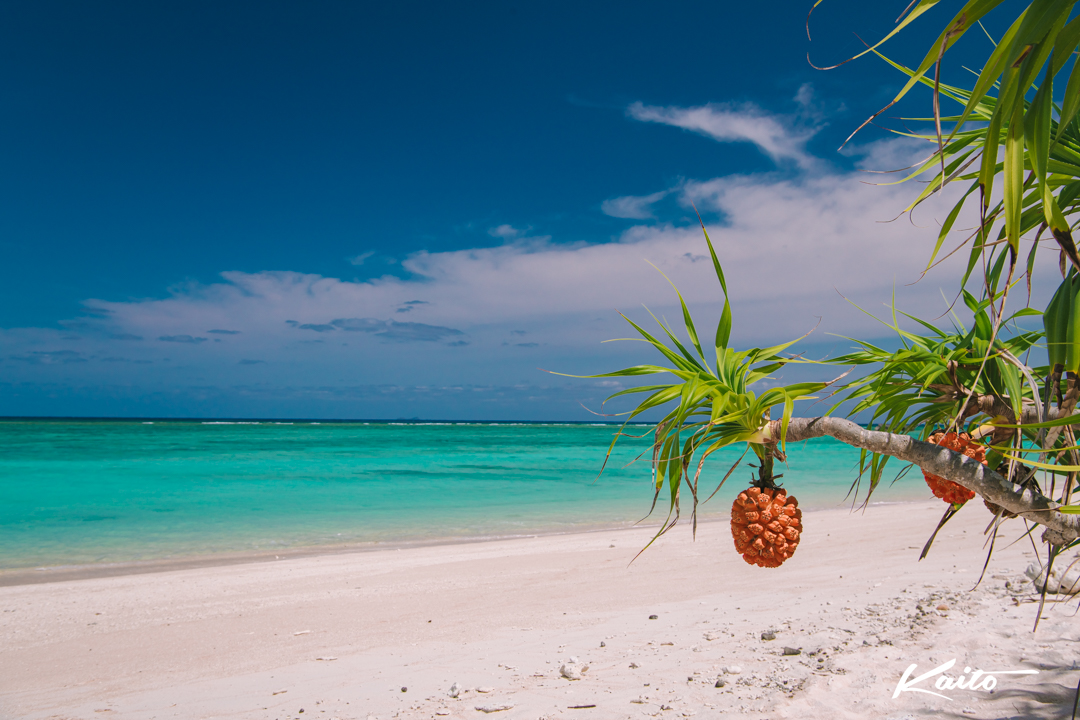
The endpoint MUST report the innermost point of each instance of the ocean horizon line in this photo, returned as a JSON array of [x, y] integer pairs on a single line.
[[380, 421], [317, 420]]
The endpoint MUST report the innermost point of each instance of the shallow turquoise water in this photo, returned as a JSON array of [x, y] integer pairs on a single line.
[[74, 492]]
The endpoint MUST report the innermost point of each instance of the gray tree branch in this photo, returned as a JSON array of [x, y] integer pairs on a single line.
[[945, 463]]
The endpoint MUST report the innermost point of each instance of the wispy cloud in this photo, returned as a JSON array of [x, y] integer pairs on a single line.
[[777, 136], [633, 207], [361, 258], [50, 357], [359, 324], [188, 339], [419, 332], [315, 327], [509, 233], [388, 329], [506, 232]]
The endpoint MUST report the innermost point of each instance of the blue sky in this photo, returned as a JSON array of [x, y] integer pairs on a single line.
[[361, 210]]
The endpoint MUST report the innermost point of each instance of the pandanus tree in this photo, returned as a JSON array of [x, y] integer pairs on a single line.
[[966, 405]]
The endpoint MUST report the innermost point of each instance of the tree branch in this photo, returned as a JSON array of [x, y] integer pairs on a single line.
[[945, 463], [990, 405]]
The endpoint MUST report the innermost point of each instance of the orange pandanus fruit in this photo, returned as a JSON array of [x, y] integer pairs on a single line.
[[947, 490], [766, 523]]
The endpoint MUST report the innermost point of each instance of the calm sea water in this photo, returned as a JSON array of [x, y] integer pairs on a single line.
[[77, 492]]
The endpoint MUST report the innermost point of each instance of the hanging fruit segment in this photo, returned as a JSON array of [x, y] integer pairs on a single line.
[[766, 523], [947, 490]]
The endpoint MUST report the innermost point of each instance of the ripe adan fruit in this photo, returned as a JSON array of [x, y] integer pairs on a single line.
[[947, 490], [765, 523]]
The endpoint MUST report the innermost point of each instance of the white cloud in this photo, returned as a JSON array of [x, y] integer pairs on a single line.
[[811, 109], [806, 99], [633, 207], [890, 155], [774, 135], [518, 236], [790, 246], [359, 259], [506, 232]]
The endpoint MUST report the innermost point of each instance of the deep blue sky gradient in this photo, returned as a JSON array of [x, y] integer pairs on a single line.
[[144, 146]]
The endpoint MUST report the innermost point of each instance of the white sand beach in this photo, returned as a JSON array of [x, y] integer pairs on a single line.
[[387, 634]]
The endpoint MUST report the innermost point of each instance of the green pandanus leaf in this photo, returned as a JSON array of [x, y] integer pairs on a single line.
[[969, 14], [1071, 100], [723, 328], [1014, 177], [991, 72], [1072, 337], [1037, 133], [1055, 329]]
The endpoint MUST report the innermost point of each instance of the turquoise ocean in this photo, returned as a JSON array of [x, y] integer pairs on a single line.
[[76, 492]]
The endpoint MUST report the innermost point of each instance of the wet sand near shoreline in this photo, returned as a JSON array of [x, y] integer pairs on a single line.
[[390, 633]]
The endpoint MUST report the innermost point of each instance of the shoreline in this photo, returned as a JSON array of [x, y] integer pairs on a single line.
[[36, 575], [388, 633]]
